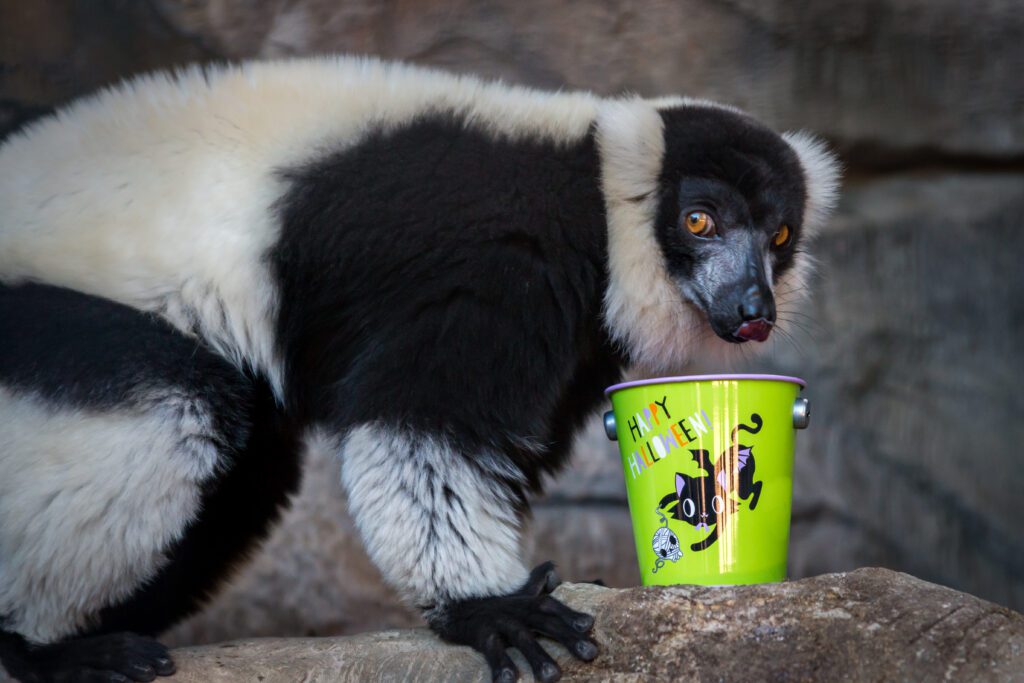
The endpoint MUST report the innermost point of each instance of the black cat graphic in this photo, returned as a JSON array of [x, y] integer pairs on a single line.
[[699, 500]]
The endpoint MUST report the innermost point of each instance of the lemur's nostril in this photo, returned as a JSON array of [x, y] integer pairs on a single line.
[[752, 306]]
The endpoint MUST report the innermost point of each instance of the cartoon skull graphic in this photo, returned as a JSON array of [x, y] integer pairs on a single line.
[[666, 545]]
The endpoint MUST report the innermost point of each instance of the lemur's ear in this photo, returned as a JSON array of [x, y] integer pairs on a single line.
[[822, 171]]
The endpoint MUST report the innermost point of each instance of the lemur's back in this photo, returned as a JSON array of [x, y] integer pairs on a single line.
[[161, 193]]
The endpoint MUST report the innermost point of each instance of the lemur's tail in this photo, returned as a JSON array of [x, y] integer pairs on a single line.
[[756, 419]]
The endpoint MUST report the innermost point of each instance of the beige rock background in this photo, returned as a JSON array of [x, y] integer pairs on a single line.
[[911, 345]]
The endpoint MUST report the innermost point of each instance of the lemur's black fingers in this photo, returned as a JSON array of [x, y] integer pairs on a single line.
[[492, 625], [557, 629], [579, 621], [158, 657], [543, 579], [544, 667], [503, 670]]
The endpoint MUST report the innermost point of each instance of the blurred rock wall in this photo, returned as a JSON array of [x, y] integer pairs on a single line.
[[911, 339]]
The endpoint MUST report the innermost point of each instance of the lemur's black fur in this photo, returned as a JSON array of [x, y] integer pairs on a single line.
[[505, 251]]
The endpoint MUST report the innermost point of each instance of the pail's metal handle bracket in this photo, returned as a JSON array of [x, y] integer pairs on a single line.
[[609, 426], [801, 413]]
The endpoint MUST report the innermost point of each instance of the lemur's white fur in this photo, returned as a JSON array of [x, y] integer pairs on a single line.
[[437, 524], [643, 308], [821, 171], [72, 482], [821, 177]]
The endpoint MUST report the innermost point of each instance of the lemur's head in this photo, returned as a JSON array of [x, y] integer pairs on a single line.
[[709, 214]]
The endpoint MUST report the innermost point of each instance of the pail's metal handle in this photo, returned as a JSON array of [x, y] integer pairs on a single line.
[[801, 418], [609, 426], [801, 413]]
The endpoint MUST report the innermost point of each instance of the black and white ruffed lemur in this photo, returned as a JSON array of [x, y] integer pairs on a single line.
[[437, 274]]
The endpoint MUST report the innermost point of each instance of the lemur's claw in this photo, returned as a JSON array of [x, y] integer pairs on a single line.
[[505, 676], [492, 625]]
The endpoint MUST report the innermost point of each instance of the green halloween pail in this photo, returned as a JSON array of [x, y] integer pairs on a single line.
[[708, 462]]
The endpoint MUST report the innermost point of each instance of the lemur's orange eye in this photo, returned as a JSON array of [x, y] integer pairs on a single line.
[[700, 224], [782, 236]]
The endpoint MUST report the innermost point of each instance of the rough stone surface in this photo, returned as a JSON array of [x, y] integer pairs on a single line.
[[868, 625], [875, 73], [901, 75]]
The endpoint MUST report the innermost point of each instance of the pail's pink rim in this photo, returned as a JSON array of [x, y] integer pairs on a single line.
[[700, 378]]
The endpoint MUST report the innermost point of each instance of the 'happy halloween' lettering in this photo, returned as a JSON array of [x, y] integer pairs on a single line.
[[661, 403], [657, 447]]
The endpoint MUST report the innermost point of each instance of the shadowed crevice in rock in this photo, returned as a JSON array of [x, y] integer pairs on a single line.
[[870, 624]]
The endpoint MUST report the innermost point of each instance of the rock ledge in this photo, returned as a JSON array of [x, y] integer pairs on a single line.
[[870, 624]]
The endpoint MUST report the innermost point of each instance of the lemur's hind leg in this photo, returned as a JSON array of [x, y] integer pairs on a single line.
[[135, 465], [237, 511]]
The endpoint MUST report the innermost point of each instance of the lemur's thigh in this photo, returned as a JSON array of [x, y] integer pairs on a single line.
[[119, 437]]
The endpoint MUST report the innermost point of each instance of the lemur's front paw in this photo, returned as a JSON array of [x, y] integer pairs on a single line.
[[492, 625]]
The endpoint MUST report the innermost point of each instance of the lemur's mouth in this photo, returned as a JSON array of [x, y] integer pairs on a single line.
[[749, 330], [754, 330], [757, 329]]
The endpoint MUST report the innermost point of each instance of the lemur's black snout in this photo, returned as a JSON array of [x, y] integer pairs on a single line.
[[744, 312]]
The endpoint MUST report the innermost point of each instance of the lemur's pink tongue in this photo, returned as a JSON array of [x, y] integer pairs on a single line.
[[754, 330]]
